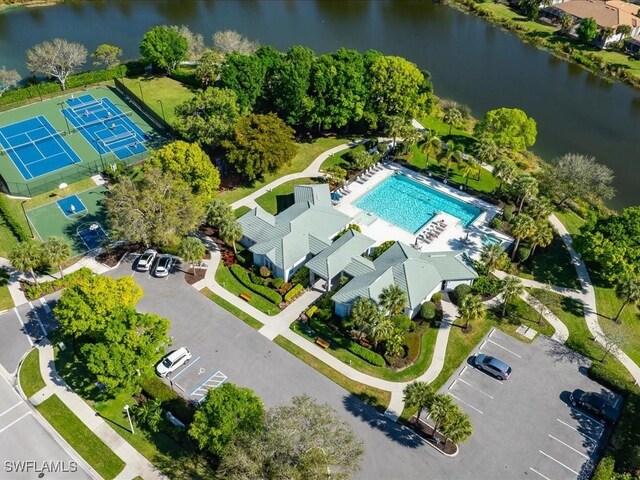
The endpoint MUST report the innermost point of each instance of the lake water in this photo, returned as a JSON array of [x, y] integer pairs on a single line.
[[470, 60]]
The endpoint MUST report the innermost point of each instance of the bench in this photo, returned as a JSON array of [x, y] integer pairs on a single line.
[[245, 297], [323, 343]]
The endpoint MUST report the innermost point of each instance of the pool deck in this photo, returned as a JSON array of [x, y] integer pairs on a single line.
[[455, 236]]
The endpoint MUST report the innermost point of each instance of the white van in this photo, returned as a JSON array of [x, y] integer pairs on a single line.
[[172, 361]]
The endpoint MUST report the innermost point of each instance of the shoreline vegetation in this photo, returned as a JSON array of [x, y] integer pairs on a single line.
[[609, 65], [12, 4]]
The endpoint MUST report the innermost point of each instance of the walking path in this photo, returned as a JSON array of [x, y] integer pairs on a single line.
[[136, 464]]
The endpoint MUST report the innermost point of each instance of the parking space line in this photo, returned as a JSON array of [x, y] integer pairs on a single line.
[[581, 433], [463, 370], [558, 462], [14, 422], [588, 416], [467, 404], [35, 314], [476, 388], [220, 379], [536, 471], [45, 305], [24, 329], [10, 408], [569, 446], [505, 348], [173, 379], [452, 384]]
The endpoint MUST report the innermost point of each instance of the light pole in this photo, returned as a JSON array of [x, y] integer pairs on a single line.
[[126, 408], [27, 218], [66, 120], [162, 109], [141, 94]]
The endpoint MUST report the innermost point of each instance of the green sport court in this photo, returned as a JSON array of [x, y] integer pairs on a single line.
[[79, 218], [70, 137]]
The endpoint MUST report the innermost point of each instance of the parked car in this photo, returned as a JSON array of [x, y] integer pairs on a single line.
[[146, 260], [172, 361], [492, 366], [164, 263], [595, 404]]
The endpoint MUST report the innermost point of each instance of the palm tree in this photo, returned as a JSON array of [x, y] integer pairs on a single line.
[[395, 125], [605, 33], [418, 395], [493, 257], [231, 232], [542, 235], [624, 30], [394, 344], [191, 250], [442, 410], [149, 414], [380, 329], [472, 310], [55, 251], [511, 287], [522, 226], [362, 312], [539, 208], [459, 427], [566, 23], [454, 153], [504, 170], [218, 211], [393, 300], [431, 145], [470, 167], [486, 149], [525, 187], [628, 290], [26, 257], [452, 117]]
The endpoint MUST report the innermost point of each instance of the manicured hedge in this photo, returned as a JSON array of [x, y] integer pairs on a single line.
[[33, 292], [243, 277], [291, 294], [313, 309], [154, 388], [367, 355], [11, 221], [604, 470]]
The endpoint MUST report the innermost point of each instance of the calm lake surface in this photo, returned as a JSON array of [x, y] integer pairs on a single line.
[[470, 60]]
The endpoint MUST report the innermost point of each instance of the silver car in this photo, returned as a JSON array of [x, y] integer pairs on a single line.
[[146, 260], [492, 366], [164, 263]]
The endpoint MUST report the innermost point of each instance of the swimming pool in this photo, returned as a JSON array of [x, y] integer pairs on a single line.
[[409, 205]]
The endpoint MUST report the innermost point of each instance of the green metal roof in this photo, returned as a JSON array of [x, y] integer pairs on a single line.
[[341, 253]]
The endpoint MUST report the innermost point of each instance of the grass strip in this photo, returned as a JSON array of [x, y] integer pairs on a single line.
[[6, 302], [225, 278], [31, 380], [232, 309], [281, 197], [82, 440], [378, 399], [627, 332], [551, 265]]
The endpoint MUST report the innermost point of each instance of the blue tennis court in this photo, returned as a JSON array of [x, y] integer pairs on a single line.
[[105, 126], [93, 235], [71, 206], [35, 147]]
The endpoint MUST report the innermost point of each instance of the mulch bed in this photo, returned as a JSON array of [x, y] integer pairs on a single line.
[[191, 277], [112, 256], [434, 438]]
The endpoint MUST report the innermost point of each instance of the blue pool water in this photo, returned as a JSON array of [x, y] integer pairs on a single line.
[[409, 205]]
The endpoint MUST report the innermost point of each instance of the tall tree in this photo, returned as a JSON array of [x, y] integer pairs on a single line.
[[542, 235], [56, 251], [522, 227], [393, 300], [458, 428], [442, 410], [163, 47], [244, 74], [26, 257], [510, 288], [508, 127], [190, 163], [107, 55], [8, 79], [362, 311], [57, 58], [418, 395], [525, 188], [260, 144], [472, 310], [305, 440], [628, 290], [453, 153], [452, 117], [209, 68], [155, 208], [379, 329], [231, 232], [505, 171], [191, 250], [431, 145], [217, 212], [470, 168], [230, 41], [195, 42], [587, 30], [493, 257], [226, 412], [486, 149]]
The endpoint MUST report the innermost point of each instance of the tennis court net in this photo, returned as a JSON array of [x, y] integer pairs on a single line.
[[105, 121], [117, 138], [33, 143], [84, 106]]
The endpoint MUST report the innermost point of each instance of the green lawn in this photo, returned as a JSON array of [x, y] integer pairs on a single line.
[[571, 220], [379, 399], [240, 211], [159, 92], [520, 312], [551, 265], [7, 239], [340, 159], [6, 301], [81, 439], [629, 328], [31, 380], [225, 278], [307, 153], [502, 11], [418, 368], [281, 197], [245, 317], [437, 125]]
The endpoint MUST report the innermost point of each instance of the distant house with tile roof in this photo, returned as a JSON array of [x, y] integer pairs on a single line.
[[419, 274]]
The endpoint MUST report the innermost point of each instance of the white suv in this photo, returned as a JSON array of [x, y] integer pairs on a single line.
[[146, 260], [172, 361]]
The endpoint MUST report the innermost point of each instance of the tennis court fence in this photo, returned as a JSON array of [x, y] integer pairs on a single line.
[[141, 105]]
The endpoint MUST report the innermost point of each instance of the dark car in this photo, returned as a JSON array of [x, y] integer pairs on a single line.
[[492, 366], [595, 404]]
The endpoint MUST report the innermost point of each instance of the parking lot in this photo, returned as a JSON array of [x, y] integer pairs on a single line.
[[526, 426]]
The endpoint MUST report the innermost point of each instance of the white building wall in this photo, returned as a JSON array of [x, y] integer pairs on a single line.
[[451, 284]]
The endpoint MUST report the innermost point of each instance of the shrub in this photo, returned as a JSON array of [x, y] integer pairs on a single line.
[[460, 292], [11, 221], [286, 286], [311, 311], [604, 470], [257, 279], [265, 272], [402, 322], [383, 247], [486, 286], [301, 277], [153, 387], [508, 212], [609, 377], [278, 283], [436, 297], [293, 293], [367, 355], [428, 310], [33, 292], [497, 223], [524, 251], [243, 277]]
